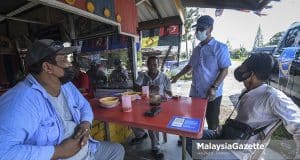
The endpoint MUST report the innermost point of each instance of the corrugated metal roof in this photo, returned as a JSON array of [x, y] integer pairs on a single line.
[[166, 8], [255, 5], [9, 5]]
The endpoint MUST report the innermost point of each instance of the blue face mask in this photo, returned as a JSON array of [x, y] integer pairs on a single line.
[[201, 36]]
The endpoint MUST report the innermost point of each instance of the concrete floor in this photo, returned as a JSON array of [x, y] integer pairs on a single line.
[[142, 151], [173, 152]]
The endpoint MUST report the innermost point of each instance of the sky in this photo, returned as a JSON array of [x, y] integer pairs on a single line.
[[240, 28]]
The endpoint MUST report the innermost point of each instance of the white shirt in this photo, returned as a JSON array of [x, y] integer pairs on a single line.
[[61, 107], [266, 105]]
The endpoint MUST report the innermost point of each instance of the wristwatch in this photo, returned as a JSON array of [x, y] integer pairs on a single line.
[[214, 87]]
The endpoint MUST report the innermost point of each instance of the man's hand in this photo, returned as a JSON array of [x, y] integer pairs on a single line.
[[211, 94], [82, 132], [67, 148], [174, 79]]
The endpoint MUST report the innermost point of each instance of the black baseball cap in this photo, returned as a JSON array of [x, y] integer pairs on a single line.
[[204, 22], [46, 47]]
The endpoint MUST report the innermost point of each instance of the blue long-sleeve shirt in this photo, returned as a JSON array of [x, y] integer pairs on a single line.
[[29, 124]]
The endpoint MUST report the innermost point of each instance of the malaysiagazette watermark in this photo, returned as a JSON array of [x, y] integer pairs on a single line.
[[229, 146]]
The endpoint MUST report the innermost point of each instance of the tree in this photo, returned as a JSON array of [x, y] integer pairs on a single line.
[[139, 59], [258, 41], [274, 40], [229, 45], [190, 15], [243, 51], [239, 53]]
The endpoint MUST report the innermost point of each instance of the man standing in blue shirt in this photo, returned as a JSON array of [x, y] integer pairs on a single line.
[[209, 64], [45, 116]]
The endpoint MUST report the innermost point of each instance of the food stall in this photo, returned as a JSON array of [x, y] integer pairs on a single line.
[[22, 22], [103, 31]]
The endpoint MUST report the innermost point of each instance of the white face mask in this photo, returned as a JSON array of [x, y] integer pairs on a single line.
[[201, 36]]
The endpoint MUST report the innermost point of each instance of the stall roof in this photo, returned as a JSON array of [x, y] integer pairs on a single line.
[[154, 13], [255, 5], [8, 6], [11, 8], [147, 9]]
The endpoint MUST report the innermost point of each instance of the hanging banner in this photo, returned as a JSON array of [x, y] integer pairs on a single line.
[[104, 8], [96, 44], [118, 42], [149, 42], [169, 30], [163, 36], [285, 61], [150, 38]]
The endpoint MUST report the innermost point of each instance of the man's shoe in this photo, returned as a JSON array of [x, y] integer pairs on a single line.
[[138, 140]]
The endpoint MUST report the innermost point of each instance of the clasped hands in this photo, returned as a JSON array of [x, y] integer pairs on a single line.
[[70, 146]]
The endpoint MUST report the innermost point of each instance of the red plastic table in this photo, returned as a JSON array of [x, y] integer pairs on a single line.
[[185, 106]]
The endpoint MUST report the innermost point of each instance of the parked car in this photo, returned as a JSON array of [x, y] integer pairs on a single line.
[[168, 65], [291, 83], [174, 66], [266, 49], [177, 67]]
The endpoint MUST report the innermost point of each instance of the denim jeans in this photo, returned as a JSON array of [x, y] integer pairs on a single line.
[[108, 151]]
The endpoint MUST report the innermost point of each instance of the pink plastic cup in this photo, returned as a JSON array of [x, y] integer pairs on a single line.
[[145, 92], [126, 103]]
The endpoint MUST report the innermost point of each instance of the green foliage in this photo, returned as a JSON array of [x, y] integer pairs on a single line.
[[183, 56], [229, 45], [187, 76], [274, 40], [190, 15], [240, 53], [139, 59]]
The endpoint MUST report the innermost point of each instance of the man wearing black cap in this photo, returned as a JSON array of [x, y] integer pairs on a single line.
[[45, 116], [209, 64], [261, 107]]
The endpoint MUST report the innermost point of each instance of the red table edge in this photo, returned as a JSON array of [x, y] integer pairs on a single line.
[[169, 130]]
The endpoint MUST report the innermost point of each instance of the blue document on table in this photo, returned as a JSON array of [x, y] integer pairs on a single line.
[[185, 124]]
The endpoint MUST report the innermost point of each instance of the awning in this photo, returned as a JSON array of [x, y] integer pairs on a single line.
[[157, 13], [255, 5]]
